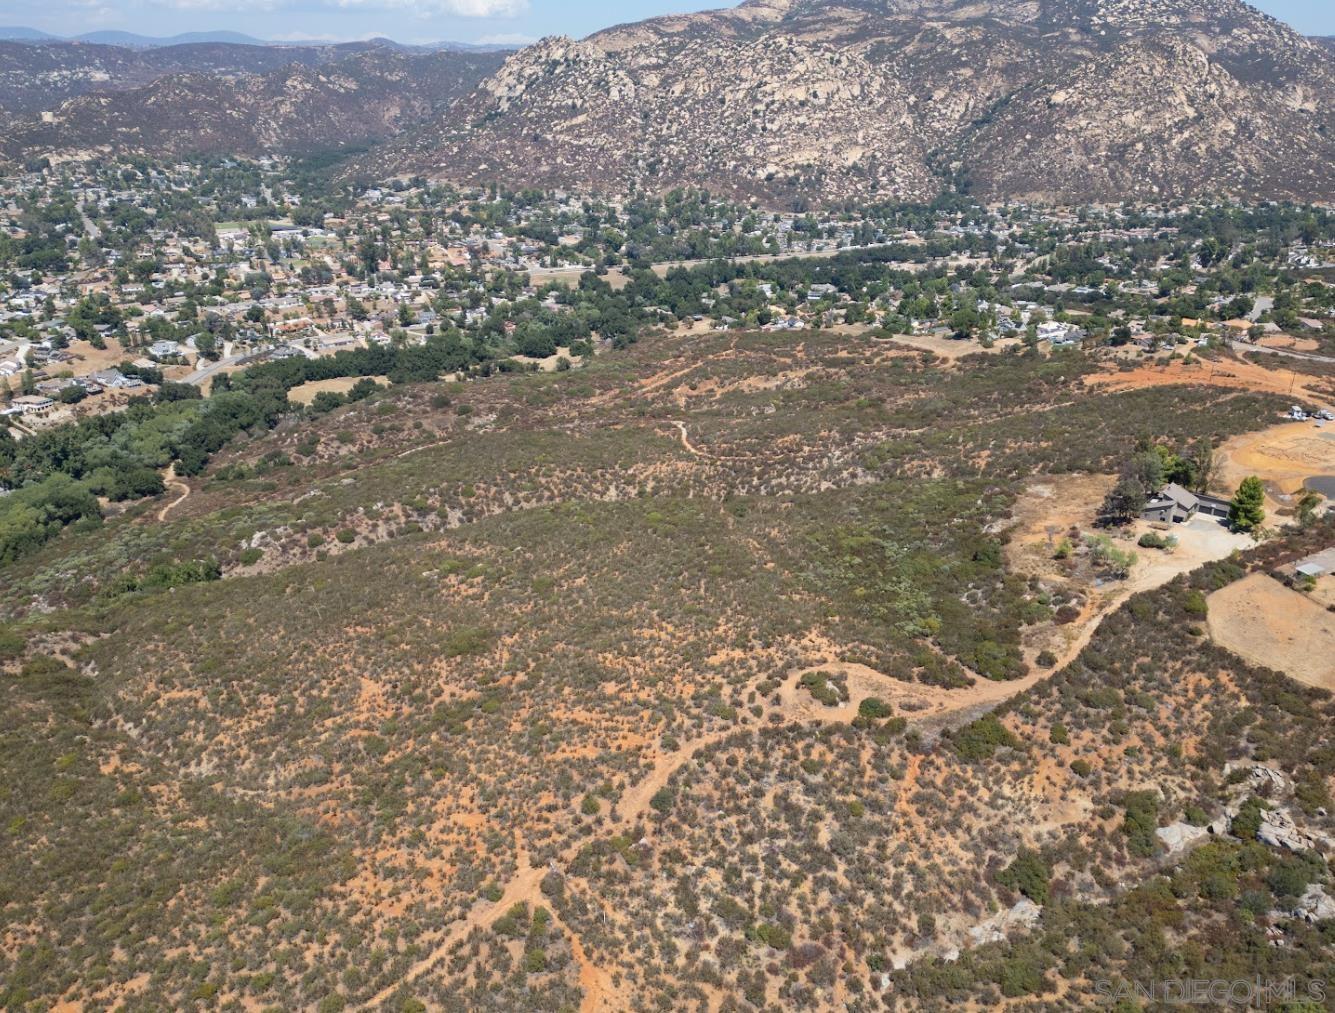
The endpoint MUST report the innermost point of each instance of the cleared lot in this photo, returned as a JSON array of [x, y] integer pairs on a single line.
[[1268, 624]]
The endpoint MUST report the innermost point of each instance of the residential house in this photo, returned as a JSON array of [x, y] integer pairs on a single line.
[[30, 404], [114, 379], [1176, 505]]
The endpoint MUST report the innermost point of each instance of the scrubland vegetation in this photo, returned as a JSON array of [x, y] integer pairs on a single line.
[[489, 695]]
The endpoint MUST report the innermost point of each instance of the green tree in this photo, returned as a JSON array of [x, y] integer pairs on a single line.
[[1125, 501], [1028, 875], [1307, 504], [1247, 512]]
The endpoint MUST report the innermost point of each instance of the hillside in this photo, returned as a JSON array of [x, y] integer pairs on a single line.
[[39, 77], [508, 685], [793, 100], [298, 107]]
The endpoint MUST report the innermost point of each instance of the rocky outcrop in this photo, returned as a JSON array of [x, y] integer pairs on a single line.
[[1023, 915], [1178, 837], [1315, 905], [1279, 830], [828, 100]]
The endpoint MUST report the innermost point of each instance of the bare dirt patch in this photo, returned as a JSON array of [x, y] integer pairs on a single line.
[[1284, 457], [549, 363], [1046, 512], [1266, 623], [1324, 592], [305, 393], [1290, 342], [1232, 374], [88, 359], [950, 348]]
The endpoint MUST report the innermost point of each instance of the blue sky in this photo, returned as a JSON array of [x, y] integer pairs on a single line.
[[418, 20]]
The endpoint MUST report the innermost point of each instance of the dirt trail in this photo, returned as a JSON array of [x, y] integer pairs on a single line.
[[635, 802], [691, 448], [903, 806], [600, 995], [913, 700], [523, 887], [418, 450], [172, 482], [686, 440]]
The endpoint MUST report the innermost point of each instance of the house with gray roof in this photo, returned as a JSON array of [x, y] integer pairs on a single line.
[[1176, 505]]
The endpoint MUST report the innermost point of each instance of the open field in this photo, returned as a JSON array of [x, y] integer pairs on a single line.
[[1283, 456], [1232, 374], [951, 349], [90, 360], [570, 276], [1290, 342], [1265, 622], [305, 393]]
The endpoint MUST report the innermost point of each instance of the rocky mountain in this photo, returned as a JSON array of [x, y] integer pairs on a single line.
[[301, 106], [793, 100]]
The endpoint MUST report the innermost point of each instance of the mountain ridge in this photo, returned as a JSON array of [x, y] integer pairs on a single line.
[[295, 108], [786, 100], [133, 40]]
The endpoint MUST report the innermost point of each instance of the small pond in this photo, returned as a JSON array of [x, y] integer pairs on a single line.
[[1324, 484]]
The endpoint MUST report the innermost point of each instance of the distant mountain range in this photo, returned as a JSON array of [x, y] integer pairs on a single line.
[[81, 101], [299, 108], [788, 102], [132, 41]]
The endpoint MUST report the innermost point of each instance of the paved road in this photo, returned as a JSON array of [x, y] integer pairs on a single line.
[[663, 267], [200, 375], [1247, 346]]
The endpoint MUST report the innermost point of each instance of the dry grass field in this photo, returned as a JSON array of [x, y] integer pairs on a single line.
[[1268, 624], [1283, 456], [305, 393], [1230, 374]]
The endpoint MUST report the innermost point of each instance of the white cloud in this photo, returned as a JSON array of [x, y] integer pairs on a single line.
[[512, 39], [486, 8], [221, 5], [422, 8], [458, 8]]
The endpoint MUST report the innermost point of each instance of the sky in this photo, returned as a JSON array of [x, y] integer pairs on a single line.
[[418, 21]]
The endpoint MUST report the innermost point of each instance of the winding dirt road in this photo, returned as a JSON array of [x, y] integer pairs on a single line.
[[913, 700]]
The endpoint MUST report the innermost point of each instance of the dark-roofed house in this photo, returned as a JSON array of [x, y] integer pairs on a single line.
[[1174, 504]]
